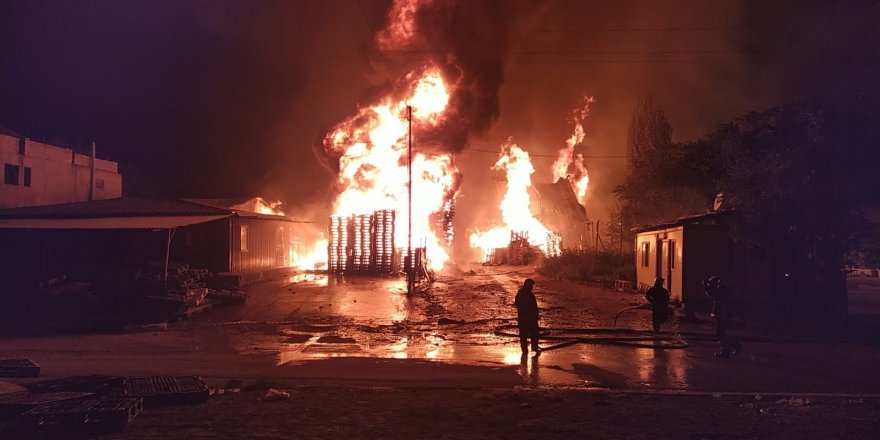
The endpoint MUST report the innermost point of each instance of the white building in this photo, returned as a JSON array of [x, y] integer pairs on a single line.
[[35, 173]]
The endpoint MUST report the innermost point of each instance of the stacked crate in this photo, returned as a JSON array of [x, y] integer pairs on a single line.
[[362, 239], [338, 245], [554, 244], [446, 224], [383, 240]]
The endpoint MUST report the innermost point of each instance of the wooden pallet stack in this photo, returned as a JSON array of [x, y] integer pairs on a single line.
[[337, 247], [361, 244], [554, 244], [383, 242]]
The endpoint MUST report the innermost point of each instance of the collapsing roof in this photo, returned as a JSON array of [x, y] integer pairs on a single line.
[[559, 205]]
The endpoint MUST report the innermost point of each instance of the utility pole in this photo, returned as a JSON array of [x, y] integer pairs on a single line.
[[410, 274], [92, 175]]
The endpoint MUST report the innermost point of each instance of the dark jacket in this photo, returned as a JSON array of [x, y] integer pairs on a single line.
[[526, 307], [657, 296], [722, 299]]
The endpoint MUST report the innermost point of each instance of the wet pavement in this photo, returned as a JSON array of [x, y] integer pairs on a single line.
[[304, 321], [457, 333]]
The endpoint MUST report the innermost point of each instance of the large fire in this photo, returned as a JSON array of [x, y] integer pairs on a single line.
[[372, 151], [515, 212], [569, 165], [372, 148]]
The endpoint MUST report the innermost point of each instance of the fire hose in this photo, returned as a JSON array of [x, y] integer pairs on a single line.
[[604, 336]]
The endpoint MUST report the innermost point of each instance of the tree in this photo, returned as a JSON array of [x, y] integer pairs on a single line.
[[797, 177], [649, 131], [666, 179]]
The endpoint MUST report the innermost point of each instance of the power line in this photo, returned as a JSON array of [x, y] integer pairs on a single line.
[[585, 52], [623, 29], [375, 46]]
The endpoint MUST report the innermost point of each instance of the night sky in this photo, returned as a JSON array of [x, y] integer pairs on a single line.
[[230, 98]]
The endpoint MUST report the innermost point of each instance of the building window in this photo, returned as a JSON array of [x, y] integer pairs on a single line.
[[99, 183], [646, 251], [244, 237], [10, 174], [671, 254], [27, 176]]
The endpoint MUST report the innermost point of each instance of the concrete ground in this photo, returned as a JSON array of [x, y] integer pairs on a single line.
[[313, 334]]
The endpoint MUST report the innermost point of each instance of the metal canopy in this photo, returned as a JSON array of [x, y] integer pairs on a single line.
[[144, 222]]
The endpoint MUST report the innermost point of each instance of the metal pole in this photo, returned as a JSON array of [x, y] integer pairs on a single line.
[[92, 175], [167, 254], [410, 274]]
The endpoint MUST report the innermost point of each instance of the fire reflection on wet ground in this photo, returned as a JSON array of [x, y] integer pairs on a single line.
[[308, 319]]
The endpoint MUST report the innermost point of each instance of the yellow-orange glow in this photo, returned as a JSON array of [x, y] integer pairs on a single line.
[[373, 162], [312, 258], [263, 206], [569, 165], [515, 212]]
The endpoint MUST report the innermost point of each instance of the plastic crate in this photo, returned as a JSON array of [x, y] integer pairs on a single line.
[[116, 413], [166, 390]]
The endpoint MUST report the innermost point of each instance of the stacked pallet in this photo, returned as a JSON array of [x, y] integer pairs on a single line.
[[114, 413], [337, 247], [383, 240], [446, 222], [361, 243], [554, 244]]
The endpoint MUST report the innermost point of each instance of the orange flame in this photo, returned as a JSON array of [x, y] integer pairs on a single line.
[[373, 162], [515, 212], [569, 165], [311, 258], [262, 206]]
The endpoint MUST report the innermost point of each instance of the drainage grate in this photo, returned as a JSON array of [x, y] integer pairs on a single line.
[[160, 390]]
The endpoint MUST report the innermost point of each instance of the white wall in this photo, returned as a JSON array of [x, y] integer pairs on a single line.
[[656, 243], [58, 175]]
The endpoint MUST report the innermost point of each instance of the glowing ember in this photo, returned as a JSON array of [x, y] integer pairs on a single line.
[[372, 146], [515, 211], [569, 165]]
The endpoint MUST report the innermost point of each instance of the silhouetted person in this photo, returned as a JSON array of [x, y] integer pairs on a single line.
[[722, 299], [658, 296], [527, 317]]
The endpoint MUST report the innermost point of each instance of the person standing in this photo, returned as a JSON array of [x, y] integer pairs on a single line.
[[722, 299], [658, 296], [527, 317]]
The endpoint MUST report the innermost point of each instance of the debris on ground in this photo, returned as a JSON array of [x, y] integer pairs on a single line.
[[275, 395], [93, 383], [793, 401]]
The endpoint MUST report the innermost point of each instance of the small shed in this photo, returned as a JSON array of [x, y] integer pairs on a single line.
[[53, 237], [689, 250]]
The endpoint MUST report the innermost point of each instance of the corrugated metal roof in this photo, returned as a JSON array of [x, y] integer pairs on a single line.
[[710, 218], [122, 207]]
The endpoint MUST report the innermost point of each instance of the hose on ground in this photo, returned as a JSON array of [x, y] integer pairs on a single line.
[[605, 336]]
